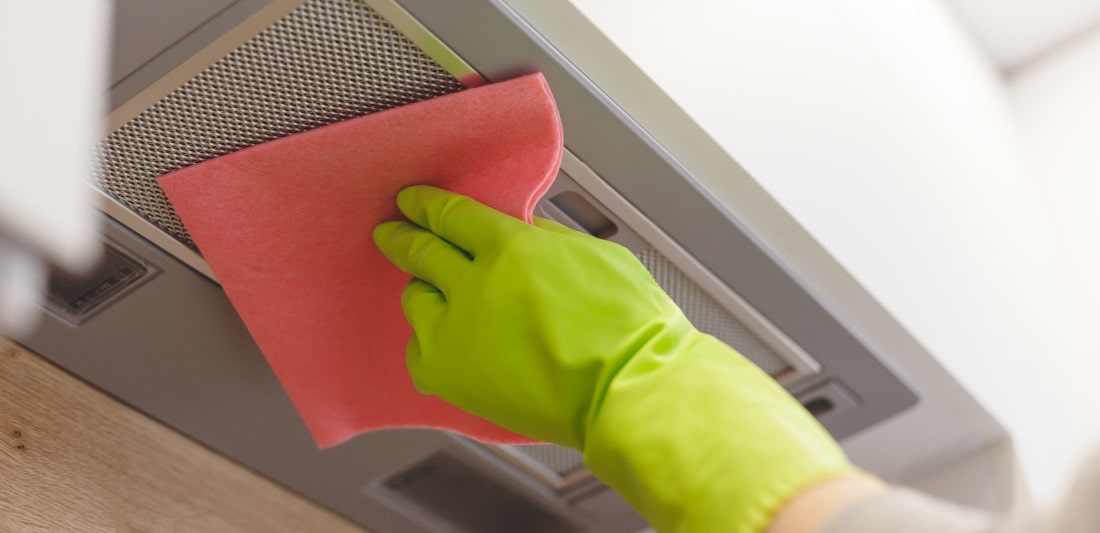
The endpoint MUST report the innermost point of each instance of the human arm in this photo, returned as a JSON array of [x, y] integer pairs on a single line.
[[567, 338], [814, 508]]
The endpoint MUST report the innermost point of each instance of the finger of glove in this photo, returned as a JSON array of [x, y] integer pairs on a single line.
[[412, 363], [554, 226], [423, 305], [421, 253], [470, 225]]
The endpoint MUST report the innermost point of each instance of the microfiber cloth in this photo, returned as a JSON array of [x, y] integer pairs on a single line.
[[286, 227]]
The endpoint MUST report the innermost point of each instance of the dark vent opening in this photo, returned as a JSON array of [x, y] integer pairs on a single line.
[[819, 406], [466, 498], [77, 296], [585, 214]]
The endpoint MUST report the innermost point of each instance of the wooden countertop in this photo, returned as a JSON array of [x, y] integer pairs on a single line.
[[73, 458]]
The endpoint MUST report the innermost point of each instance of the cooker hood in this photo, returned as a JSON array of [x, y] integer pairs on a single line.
[[151, 325]]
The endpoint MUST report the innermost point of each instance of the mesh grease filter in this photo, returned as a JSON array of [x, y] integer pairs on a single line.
[[559, 459], [326, 61]]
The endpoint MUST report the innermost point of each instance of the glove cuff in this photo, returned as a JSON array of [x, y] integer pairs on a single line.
[[697, 438]]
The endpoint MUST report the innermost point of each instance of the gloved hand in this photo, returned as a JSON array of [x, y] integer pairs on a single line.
[[567, 338]]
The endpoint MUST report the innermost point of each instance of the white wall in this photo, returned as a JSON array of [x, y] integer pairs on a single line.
[[886, 136], [1057, 104], [1016, 32]]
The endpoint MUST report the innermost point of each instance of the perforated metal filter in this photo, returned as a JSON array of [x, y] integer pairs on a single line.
[[708, 316], [326, 61], [559, 459]]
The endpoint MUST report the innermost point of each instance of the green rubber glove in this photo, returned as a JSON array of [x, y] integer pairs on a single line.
[[566, 338]]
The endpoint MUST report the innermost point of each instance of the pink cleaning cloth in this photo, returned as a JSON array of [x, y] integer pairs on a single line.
[[286, 227]]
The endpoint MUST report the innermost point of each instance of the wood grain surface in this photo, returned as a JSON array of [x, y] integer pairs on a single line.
[[74, 459]]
